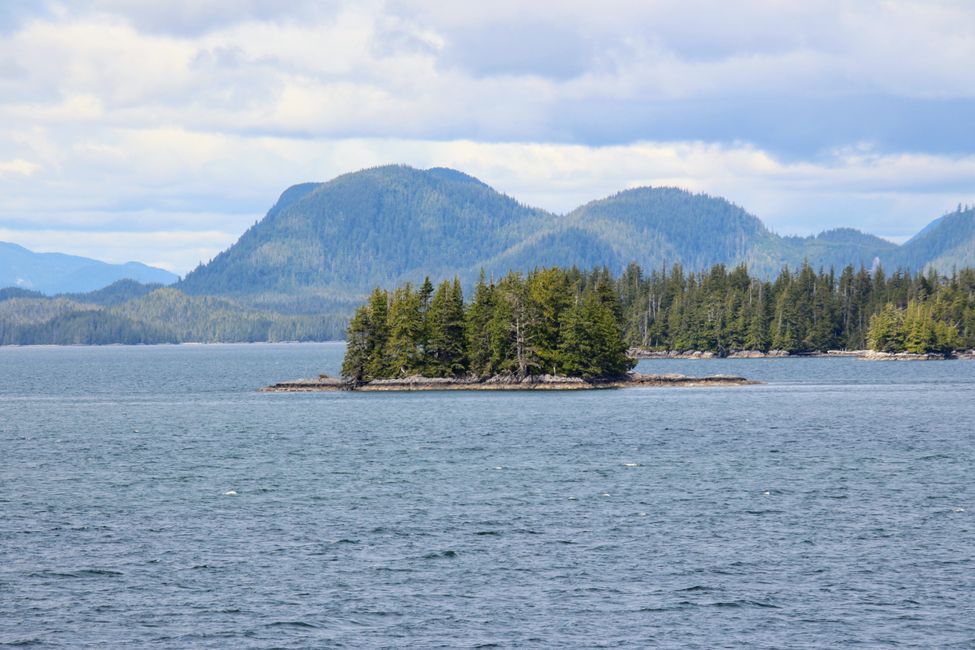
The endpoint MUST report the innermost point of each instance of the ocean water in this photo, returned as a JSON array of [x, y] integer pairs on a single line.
[[149, 496]]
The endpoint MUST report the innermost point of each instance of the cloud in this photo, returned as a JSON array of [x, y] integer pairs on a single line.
[[205, 189], [185, 117], [18, 167], [792, 79]]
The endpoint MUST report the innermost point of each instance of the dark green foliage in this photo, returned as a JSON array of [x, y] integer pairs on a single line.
[[404, 350], [446, 346], [478, 335], [378, 335], [552, 321], [355, 364], [800, 312], [591, 344]]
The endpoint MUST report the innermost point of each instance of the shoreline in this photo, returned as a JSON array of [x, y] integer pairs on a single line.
[[324, 383]]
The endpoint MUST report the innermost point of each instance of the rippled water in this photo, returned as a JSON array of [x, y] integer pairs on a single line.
[[832, 506]]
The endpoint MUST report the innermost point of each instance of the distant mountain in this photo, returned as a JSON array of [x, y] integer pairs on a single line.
[[323, 245], [945, 243], [375, 227], [52, 273]]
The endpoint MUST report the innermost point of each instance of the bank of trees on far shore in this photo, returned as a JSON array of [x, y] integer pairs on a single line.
[[580, 323], [800, 311]]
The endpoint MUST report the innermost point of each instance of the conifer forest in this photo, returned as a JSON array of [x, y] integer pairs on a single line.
[[583, 323]]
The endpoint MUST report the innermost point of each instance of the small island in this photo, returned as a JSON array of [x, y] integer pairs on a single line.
[[532, 382], [554, 329]]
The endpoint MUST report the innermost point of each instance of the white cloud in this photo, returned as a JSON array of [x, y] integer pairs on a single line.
[[185, 117], [18, 167], [203, 190]]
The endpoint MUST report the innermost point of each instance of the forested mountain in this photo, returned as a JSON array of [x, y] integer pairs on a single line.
[[52, 273], [377, 226], [136, 314], [298, 273], [946, 243], [323, 246]]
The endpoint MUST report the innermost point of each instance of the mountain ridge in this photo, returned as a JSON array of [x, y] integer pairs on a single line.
[[55, 273], [381, 226]]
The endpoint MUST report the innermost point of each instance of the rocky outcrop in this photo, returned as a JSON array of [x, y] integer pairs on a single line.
[[757, 354], [871, 355], [504, 382], [868, 355], [640, 353]]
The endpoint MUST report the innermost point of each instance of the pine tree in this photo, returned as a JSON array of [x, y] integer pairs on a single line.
[[446, 343], [478, 319], [549, 297], [356, 361], [405, 356], [886, 330], [592, 344], [512, 329], [378, 337]]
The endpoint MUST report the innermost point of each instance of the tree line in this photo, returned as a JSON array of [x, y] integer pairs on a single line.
[[800, 311], [550, 321], [581, 323]]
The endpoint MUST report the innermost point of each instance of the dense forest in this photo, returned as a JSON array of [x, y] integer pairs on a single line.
[[800, 311], [127, 312], [577, 323], [551, 321]]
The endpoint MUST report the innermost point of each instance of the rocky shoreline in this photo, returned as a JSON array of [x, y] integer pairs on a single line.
[[505, 382], [867, 355]]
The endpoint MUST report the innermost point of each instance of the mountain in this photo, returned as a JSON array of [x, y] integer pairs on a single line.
[[52, 273], [323, 245], [946, 243], [377, 226]]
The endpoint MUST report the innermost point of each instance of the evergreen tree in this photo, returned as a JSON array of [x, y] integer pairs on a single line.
[[356, 361], [886, 333], [446, 345], [378, 337], [478, 337], [403, 351], [549, 296]]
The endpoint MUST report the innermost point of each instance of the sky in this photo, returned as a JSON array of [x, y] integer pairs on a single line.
[[160, 131]]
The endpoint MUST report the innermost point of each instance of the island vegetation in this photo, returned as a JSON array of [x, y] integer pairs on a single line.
[[581, 323], [552, 321]]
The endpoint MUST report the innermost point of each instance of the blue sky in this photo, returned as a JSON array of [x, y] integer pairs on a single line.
[[160, 131]]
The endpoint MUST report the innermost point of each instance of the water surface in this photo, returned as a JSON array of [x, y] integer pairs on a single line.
[[830, 507]]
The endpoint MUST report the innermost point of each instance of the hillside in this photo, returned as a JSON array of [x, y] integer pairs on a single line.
[[52, 273], [298, 273], [375, 227], [159, 315], [946, 243], [322, 246]]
